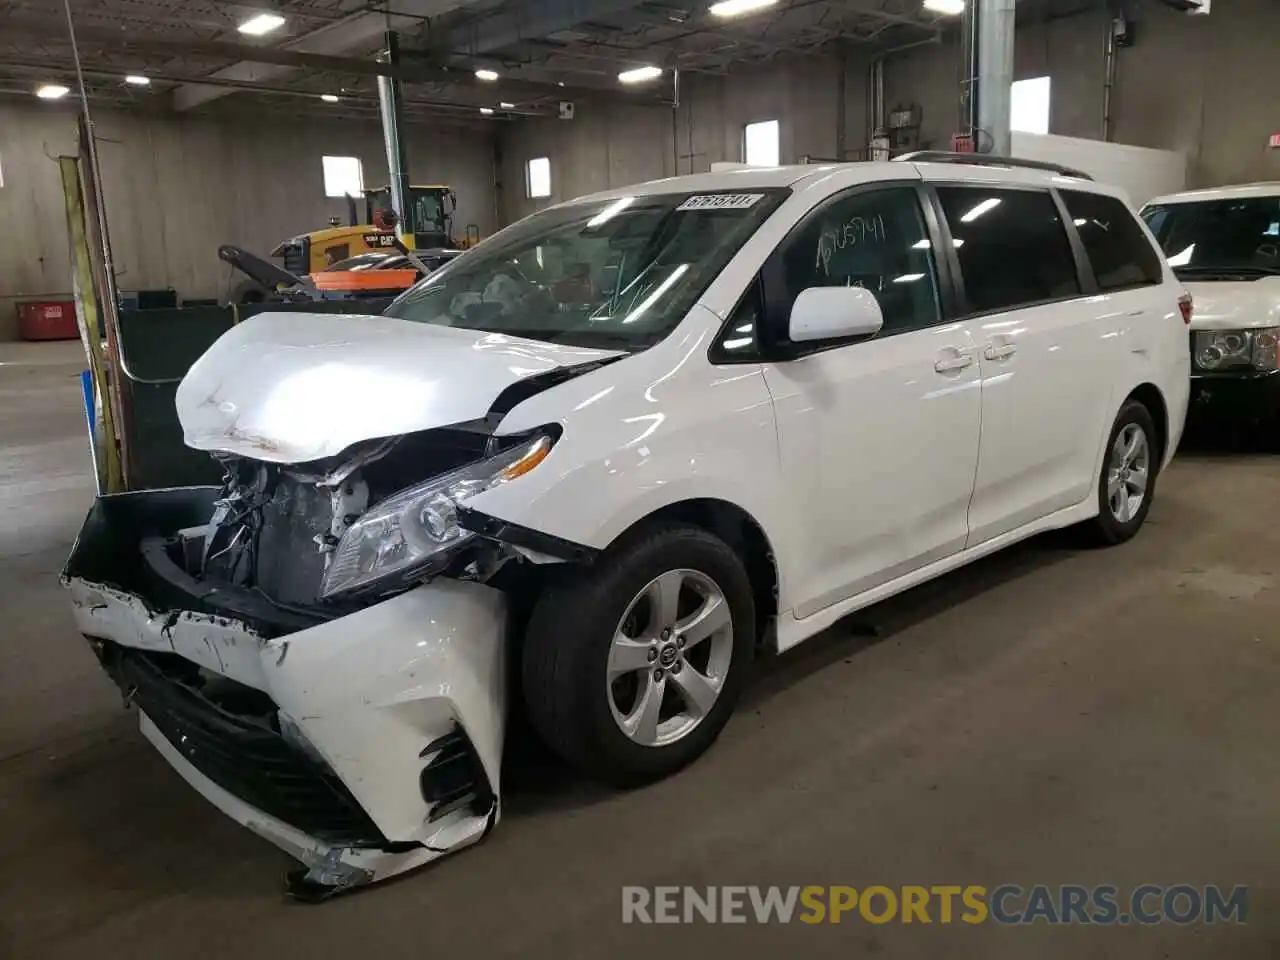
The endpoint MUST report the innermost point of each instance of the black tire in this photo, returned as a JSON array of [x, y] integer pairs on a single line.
[[250, 292], [1106, 529], [566, 653]]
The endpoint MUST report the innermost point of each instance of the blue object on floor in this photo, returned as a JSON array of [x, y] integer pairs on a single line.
[[90, 411]]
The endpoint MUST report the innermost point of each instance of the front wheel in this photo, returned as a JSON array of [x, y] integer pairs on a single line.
[[631, 670], [1128, 478]]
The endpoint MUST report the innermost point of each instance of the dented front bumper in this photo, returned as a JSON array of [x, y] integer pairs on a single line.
[[364, 744]]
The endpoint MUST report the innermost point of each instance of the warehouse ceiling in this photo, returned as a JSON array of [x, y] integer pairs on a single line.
[[198, 60]]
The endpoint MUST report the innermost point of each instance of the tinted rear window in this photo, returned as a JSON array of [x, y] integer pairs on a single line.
[[1118, 250]]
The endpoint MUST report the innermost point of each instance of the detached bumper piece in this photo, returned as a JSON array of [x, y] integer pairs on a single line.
[[231, 734], [364, 742]]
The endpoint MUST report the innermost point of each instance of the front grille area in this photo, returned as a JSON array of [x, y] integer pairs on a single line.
[[290, 566], [230, 733]]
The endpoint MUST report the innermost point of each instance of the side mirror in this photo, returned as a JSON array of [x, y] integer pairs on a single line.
[[825, 313]]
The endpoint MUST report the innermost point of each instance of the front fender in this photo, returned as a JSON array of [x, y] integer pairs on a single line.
[[647, 432]]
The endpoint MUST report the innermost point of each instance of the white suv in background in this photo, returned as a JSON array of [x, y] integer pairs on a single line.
[[1224, 244], [609, 456]]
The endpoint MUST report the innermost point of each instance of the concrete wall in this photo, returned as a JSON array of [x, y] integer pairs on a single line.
[[1206, 86], [176, 189], [612, 146]]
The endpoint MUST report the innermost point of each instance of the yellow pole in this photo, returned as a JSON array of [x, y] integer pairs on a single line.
[[106, 454]]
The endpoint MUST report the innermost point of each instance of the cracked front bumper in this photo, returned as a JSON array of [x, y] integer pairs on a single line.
[[364, 744]]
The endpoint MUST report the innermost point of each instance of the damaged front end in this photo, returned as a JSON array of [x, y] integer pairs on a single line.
[[320, 649]]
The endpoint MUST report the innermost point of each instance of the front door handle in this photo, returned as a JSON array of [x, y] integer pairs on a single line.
[[1000, 352], [953, 363]]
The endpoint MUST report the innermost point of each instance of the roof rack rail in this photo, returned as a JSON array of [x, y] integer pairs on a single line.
[[990, 160]]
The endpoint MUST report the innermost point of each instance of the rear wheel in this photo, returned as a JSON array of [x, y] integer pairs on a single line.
[[1128, 478], [632, 669]]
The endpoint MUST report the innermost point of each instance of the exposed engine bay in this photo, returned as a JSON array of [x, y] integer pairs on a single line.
[[276, 527]]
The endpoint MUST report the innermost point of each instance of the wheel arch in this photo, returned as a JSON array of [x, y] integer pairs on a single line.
[[741, 531], [1149, 395]]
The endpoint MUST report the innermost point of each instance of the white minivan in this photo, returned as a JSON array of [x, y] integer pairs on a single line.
[[600, 462]]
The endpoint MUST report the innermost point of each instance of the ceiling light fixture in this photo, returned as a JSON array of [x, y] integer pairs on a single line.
[[262, 24], [736, 8], [329, 97], [507, 106], [950, 8], [52, 91], [640, 74], [486, 110], [137, 80], [487, 75]]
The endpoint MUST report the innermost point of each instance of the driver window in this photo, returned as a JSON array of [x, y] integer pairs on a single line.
[[876, 240]]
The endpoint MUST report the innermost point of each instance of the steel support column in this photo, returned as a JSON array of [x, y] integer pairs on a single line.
[[391, 109], [995, 74]]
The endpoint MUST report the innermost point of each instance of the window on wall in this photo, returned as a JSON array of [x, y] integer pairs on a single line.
[[537, 177], [343, 176], [1029, 105], [760, 144]]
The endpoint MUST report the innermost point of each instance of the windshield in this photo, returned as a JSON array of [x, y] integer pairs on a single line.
[[611, 273], [1241, 234], [428, 212]]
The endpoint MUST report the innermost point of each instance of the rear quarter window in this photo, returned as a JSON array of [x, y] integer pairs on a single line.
[[1118, 251]]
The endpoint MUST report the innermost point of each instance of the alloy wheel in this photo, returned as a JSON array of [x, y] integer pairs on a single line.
[[1128, 472], [669, 657]]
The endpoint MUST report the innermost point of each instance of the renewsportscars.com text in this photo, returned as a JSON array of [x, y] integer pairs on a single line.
[[1007, 904]]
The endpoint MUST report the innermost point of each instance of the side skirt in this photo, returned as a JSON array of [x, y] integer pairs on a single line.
[[792, 631]]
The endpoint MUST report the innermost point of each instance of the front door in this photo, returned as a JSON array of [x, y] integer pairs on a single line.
[[879, 437]]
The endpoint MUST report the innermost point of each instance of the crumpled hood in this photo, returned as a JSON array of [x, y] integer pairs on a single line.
[[1235, 304], [295, 387]]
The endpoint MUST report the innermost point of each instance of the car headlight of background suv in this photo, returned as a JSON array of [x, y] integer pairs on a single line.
[[413, 533], [1233, 349]]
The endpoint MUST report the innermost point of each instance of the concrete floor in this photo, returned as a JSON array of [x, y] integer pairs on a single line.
[[1051, 715]]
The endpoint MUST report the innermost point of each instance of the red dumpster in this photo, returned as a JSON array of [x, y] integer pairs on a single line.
[[47, 320]]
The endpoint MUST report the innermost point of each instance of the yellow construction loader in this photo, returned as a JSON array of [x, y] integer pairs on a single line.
[[433, 207]]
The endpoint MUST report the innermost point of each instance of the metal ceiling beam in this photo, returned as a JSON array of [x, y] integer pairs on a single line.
[[511, 88], [934, 26], [532, 21], [247, 86], [349, 33]]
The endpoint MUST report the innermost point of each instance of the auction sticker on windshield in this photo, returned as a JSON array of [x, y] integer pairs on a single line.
[[722, 201]]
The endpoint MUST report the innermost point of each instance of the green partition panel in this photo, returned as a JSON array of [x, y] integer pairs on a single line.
[[157, 348]]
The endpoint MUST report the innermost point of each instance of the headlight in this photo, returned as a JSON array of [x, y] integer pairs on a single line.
[[1229, 349], [412, 533]]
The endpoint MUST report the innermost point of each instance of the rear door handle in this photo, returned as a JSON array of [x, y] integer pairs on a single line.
[[952, 364], [1001, 352]]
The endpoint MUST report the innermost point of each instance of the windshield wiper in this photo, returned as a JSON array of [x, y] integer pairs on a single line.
[[1207, 271], [579, 337]]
